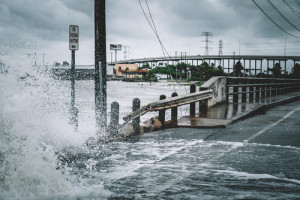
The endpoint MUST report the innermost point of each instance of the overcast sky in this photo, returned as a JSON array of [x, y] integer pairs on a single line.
[[28, 26]]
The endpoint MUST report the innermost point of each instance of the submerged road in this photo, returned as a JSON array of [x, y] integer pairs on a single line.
[[257, 158], [278, 126]]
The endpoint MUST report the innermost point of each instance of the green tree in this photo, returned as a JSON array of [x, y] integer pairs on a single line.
[[276, 70], [150, 76], [238, 67]]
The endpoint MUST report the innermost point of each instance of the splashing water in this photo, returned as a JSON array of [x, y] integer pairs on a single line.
[[34, 127], [41, 156]]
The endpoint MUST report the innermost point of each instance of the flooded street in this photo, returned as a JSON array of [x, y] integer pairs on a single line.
[[62, 134], [185, 164], [43, 158]]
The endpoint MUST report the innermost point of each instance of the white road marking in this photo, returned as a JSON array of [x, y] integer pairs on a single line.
[[272, 125]]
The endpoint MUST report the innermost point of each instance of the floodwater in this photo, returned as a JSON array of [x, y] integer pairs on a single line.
[[42, 157]]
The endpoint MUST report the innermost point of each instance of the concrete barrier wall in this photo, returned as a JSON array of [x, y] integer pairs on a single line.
[[218, 84]]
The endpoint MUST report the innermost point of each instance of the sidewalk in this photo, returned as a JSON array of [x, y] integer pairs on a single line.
[[222, 115]]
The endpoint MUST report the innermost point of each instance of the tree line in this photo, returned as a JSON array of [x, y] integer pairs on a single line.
[[204, 71]]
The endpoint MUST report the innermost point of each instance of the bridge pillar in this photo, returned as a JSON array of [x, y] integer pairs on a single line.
[[250, 68], [228, 66], [261, 64], [244, 68], [284, 67], [255, 68], [223, 65], [268, 68]]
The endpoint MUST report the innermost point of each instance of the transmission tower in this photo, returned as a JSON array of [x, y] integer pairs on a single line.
[[208, 36], [221, 43], [127, 52]]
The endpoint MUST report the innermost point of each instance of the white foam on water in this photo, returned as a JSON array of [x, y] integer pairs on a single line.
[[275, 146], [247, 176], [34, 127], [154, 155]]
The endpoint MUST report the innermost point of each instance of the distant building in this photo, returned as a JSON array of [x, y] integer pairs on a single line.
[[128, 71]]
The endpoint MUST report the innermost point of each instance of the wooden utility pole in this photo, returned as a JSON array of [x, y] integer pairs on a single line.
[[100, 66]]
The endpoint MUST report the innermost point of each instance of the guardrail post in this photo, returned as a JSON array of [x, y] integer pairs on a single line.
[[268, 89], [192, 105], [174, 110], [279, 88], [284, 90], [244, 90], [136, 104], [273, 91], [162, 113], [276, 88], [114, 119], [263, 89], [236, 91], [251, 93], [257, 90]]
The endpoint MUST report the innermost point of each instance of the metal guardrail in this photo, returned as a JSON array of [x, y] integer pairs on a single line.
[[170, 103], [259, 87]]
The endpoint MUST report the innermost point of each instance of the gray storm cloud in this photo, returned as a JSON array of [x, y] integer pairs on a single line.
[[180, 23]]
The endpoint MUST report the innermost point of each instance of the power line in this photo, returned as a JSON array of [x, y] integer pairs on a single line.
[[280, 13], [273, 20], [293, 10], [153, 27]]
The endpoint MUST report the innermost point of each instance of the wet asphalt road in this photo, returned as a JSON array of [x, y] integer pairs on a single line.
[[277, 126], [256, 158]]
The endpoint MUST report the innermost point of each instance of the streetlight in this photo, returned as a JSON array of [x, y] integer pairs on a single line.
[[285, 45]]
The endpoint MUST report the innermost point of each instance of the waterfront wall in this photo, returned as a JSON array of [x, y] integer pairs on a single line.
[[218, 84]]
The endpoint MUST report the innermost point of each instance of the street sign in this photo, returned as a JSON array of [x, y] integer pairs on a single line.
[[117, 47], [73, 37]]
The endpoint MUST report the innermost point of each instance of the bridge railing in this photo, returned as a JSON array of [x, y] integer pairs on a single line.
[[243, 89], [161, 106]]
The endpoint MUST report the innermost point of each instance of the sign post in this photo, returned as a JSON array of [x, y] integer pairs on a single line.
[[73, 46]]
